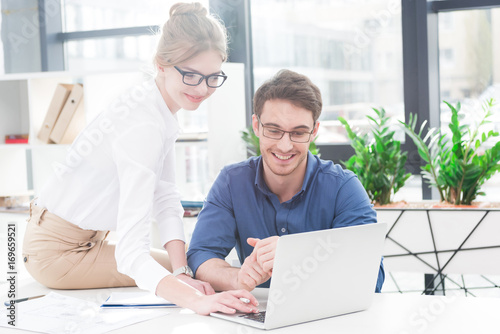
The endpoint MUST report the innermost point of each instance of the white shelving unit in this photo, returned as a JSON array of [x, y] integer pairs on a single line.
[[24, 100]]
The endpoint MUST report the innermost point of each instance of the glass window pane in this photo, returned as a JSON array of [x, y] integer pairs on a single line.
[[469, 61], [351, 49], [19, 37], [96, 14], [108, 54], [469, 67]]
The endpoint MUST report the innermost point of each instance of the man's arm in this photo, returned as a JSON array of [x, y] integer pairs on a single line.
[[219, 274], [353, 207], [224, 277], [381, 277], [214, 236]]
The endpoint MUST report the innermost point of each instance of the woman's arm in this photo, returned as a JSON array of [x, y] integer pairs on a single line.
[[184, 295], [177, 253]]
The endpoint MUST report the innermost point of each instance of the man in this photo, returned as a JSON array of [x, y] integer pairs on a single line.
[[286, 190]]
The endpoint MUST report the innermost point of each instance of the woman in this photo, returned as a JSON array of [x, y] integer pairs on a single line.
[[119, 174]]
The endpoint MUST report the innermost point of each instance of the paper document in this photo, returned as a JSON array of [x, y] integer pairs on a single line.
[[56, 313], [135, 300]]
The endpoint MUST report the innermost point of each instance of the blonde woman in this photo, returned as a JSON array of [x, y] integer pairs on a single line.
[[119, 175]]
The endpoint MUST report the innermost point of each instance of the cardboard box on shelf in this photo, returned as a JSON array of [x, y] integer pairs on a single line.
[[71, 120], [56, 105]]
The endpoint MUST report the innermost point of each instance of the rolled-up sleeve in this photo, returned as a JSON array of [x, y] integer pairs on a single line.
[[352, 206], [215, 232], [137, 170]]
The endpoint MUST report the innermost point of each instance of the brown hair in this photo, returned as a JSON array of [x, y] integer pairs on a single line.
[[292, 87], [189, 31]]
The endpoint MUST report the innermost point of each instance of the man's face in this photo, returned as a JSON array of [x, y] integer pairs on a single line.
[[283, 157]]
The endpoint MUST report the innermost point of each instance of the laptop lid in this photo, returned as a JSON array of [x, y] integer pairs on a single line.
[[324, 273], [321, 274]]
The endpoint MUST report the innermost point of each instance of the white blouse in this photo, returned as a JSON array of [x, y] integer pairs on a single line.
[[118, 175]]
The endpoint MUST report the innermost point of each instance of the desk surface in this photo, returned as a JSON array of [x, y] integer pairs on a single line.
[[389, 313]]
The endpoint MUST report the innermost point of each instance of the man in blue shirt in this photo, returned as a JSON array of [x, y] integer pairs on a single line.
[[286, 190]]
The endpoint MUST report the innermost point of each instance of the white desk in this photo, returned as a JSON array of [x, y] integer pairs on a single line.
[[390, 313]]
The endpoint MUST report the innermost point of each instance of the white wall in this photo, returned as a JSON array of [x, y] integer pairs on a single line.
[[226, 120]]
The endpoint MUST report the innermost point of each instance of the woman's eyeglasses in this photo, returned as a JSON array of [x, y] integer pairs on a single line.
[[194, 79]]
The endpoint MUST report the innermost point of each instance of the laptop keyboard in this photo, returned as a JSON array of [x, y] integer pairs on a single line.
[[260, 317]]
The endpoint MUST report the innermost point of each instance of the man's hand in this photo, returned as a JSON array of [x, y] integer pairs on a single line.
[[265, 251], [201, 286], [251, 274]]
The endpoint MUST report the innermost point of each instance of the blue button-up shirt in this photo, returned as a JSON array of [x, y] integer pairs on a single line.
[[240, 205]]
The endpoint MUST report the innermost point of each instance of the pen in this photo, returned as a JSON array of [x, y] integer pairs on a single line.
[[20, 300]]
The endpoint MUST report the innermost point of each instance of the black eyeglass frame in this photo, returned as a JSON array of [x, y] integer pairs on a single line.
[[202, 77], [283, 132]]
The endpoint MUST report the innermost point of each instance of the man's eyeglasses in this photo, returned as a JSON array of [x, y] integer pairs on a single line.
[[194, 79], [277, 134]]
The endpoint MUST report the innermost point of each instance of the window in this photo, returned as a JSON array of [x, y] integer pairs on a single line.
[[352, 52], [469, 66], [82, 15], [446, 58], [19, 37], [120, 53], [470, 69]]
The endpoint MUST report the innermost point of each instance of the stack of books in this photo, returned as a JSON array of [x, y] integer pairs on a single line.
[[15, 202], [16, 139], [192, 208]]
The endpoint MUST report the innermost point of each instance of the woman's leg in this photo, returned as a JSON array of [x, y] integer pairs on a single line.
[[98, 269], [61, 255]]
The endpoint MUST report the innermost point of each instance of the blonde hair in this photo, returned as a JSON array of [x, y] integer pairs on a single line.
[[189, 31]]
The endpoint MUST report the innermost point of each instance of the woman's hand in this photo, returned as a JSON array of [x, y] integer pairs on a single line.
[[201, 286], [176, 290], [226, 302]]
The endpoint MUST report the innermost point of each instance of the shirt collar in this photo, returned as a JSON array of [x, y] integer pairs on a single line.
[[312, 164], [259, 177]]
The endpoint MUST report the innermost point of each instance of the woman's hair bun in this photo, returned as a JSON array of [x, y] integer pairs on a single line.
[[193, 8], [188, 32]]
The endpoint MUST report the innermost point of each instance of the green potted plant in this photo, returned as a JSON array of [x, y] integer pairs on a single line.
[[457, 166], [456, 238], [378, 161]]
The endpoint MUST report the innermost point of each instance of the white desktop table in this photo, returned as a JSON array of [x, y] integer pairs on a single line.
[[389, 313]]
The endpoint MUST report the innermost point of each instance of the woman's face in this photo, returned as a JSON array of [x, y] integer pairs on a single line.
[[178, 95]]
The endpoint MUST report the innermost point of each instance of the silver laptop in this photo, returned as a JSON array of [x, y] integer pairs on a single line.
[[318, 275]]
